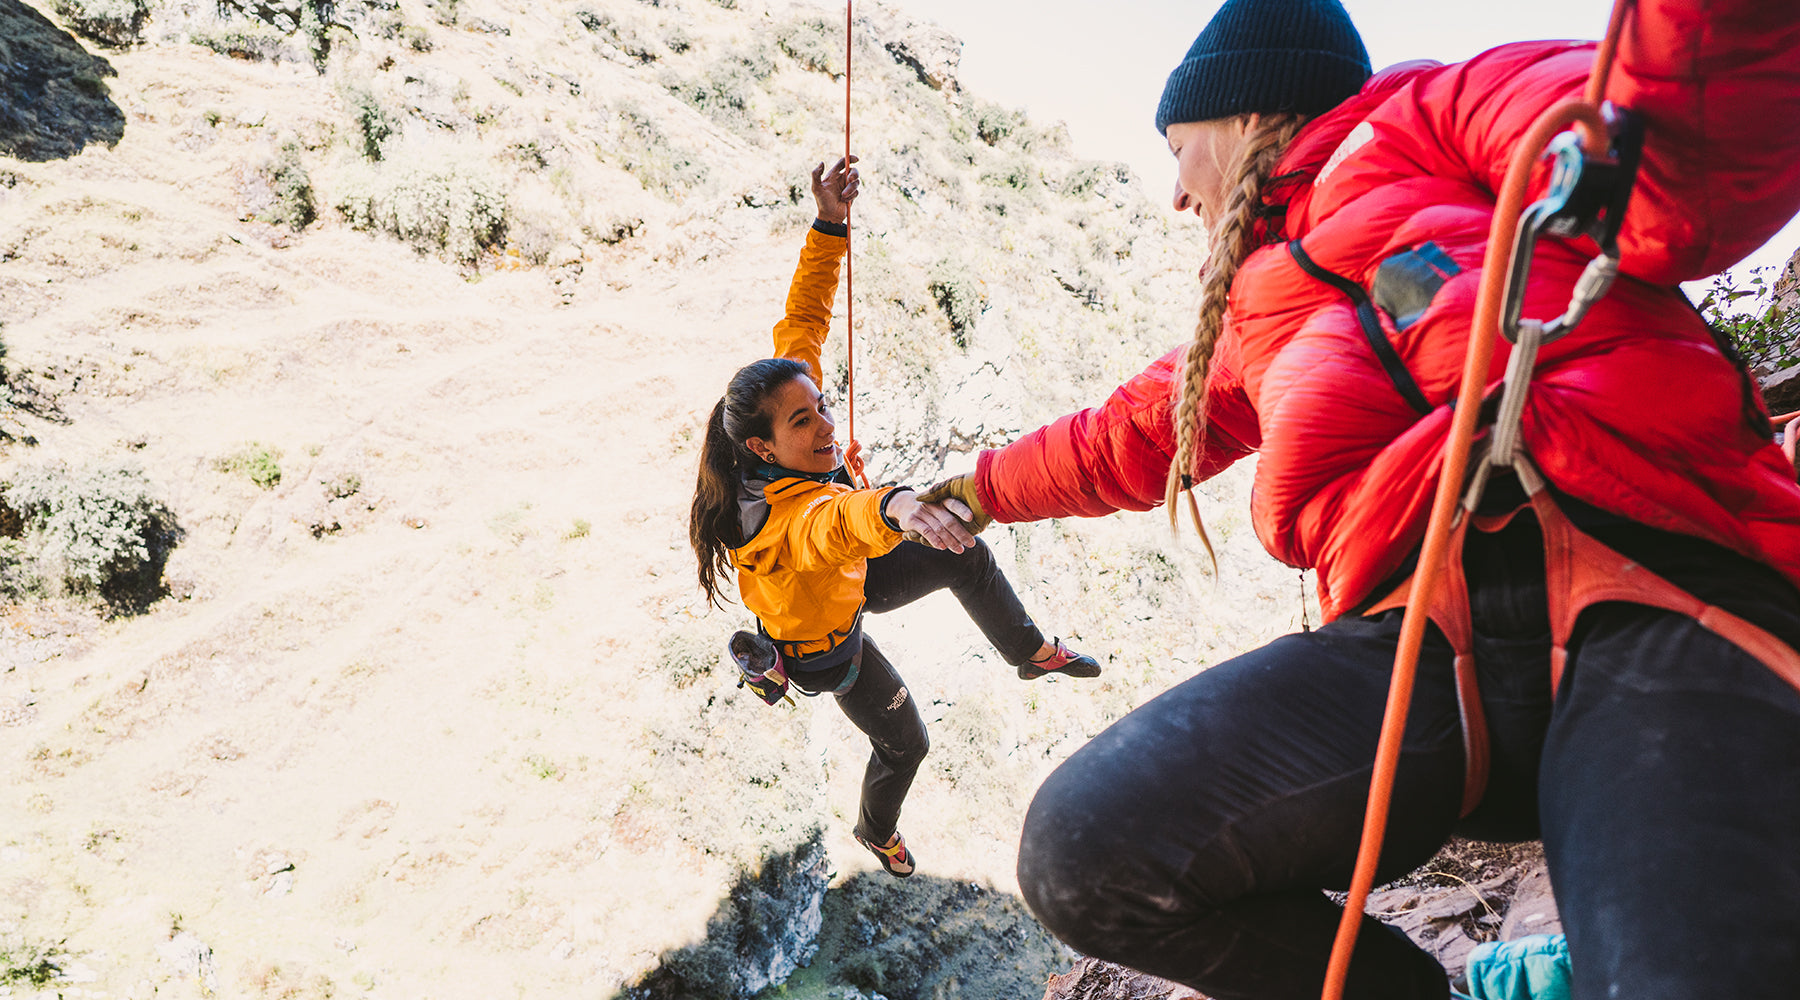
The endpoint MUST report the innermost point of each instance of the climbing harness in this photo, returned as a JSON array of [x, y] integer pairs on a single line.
[[855, 466], [1587, 197], [1448, 524]]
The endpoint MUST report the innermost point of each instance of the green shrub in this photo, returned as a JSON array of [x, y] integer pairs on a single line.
[[29, 965], [689, 654], [437, 208], [1760, 325], [294, 206], [814, 41], [960, 295], [624, 37], [256, 42], [994, 123], [109, 22], [446, 12], [258, 461], [97, 529], [373, 126], [17, 581], [726, 91], [648, 154]]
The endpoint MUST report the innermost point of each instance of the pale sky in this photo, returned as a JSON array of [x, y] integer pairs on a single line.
[[1099, 65]]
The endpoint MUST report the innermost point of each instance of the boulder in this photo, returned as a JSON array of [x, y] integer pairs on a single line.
[[932, 52]]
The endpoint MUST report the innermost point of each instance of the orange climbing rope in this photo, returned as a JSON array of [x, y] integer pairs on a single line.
[[856, 466], [1585, 115]]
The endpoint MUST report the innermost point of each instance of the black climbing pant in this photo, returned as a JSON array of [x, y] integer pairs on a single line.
[[912, 570], [879, 704], [1192, 838]]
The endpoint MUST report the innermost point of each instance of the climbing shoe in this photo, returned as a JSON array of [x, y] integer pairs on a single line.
[[1062, 660], [759, 666], [894, 857]]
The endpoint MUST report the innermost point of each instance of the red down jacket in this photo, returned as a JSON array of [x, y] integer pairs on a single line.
[[1637, 412]]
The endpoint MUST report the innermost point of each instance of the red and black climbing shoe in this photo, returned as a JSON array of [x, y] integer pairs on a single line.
[[894, 857], [1062, 660]]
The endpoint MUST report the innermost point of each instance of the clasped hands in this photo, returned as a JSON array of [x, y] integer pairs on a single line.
[[948, 515]]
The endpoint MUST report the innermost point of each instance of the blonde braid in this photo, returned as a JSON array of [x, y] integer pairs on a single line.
[[1232, 242]]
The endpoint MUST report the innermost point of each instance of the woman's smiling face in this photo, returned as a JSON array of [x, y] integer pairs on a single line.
[[1205, 152], [804, 437]]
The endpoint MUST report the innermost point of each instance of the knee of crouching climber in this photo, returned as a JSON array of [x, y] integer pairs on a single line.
[[1068, 854]]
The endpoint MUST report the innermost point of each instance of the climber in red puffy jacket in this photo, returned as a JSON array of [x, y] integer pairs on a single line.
[[1349, 215]]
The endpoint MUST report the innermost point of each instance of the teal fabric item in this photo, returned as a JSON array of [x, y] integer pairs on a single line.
[[1530, 968]]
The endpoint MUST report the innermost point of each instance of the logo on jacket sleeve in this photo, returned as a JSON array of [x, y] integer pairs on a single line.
[[1357, 139]]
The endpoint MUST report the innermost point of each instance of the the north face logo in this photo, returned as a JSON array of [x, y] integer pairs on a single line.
[[899, 699], [1358, 137]]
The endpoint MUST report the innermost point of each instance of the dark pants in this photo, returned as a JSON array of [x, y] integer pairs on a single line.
[[879, 703], [1192, 838]]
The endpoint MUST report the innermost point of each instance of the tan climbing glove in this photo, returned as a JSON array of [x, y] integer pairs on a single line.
[[961, 490]]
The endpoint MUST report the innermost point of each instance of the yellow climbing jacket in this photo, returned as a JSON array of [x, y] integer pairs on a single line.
[[808, 538], [801, 333]]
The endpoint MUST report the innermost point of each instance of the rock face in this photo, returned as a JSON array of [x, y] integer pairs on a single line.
[[765, 929], [1470, 893], [932, 52], [53, 95], [1092, 979]]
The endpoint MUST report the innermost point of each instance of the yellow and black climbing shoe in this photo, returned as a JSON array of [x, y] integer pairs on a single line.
[[894, 856], [1062, 660]]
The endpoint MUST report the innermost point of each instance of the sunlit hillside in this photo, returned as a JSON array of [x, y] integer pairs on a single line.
[[355, 356]]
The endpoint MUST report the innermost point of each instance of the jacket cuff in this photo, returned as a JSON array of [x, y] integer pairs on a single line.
[[891, 494], [984, 462], [839, 229]]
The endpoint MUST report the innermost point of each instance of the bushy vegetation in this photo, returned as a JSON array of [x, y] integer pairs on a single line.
[[31, 966], [294, 206], [259, 29], [646, 152], [959, 293], [96, 530], [259, 462], [1762, 323], [689, 654], [727, 89], [371, 124], [440, 208], [626, 37], [994, 123], [109, 22], [815, 41], [252, 41]]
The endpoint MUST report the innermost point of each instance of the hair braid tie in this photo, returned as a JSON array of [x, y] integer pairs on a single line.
[[1233, 241]]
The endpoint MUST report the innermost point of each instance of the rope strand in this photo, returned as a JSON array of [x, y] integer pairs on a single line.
[[849, 274]]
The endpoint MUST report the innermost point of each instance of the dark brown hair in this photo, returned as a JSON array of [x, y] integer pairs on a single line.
[[741, 414]]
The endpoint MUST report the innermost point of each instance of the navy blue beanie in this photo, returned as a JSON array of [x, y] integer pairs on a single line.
[[1265, 56]]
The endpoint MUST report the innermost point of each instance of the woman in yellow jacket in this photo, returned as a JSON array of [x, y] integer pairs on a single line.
[[812, 553]]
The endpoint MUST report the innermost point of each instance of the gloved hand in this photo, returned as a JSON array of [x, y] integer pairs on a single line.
[[957, 495]]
